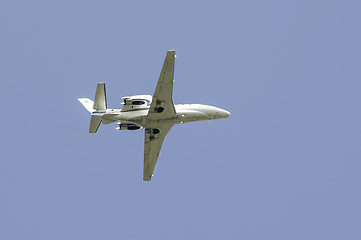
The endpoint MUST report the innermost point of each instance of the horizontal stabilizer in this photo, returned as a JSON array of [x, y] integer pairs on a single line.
[[94, 123], [100, 100]]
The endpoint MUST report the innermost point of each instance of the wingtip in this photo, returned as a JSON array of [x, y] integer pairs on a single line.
[[147, 178]]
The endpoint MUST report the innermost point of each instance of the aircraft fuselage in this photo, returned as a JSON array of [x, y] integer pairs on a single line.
[[184, 113]]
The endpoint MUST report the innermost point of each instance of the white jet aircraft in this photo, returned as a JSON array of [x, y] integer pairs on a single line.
[[157, 115]]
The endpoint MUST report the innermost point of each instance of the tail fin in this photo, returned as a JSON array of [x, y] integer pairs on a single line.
[[87, 103], [94, 123], [100, 100], [99, 104]]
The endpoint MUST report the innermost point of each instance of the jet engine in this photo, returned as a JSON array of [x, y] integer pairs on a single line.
[[136, 102], [128, 126]]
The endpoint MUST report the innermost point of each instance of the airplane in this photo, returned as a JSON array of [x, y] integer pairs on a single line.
[[155, 114]]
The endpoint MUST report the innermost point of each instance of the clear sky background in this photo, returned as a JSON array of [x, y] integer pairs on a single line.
[[285, 165]]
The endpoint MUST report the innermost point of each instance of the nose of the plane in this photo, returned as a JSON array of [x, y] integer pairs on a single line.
[[223, 113]]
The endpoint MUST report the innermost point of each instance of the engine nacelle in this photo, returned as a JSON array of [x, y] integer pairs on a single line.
[[136, 102], [128, 126]]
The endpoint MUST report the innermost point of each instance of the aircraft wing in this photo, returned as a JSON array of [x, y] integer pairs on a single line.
[[162, 104], [161, 108], [153, 140]]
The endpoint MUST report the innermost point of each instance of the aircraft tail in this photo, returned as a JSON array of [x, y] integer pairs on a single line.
[[100, 100], [87, 103], [94, 123], [99, 104]]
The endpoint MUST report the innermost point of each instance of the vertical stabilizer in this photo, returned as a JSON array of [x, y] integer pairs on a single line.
[[96, 108], [100, 100], [94, 123], [87, 103]]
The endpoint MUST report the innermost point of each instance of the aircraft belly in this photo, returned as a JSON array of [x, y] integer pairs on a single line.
[[185, 116], [156, 114], [132, 116]]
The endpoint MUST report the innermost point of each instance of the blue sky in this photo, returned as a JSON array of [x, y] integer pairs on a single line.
[[285, 165]]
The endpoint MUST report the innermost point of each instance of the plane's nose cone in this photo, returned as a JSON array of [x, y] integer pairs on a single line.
[[223, 113]]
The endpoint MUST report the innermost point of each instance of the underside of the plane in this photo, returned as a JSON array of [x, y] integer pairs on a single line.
[[155, 114]]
